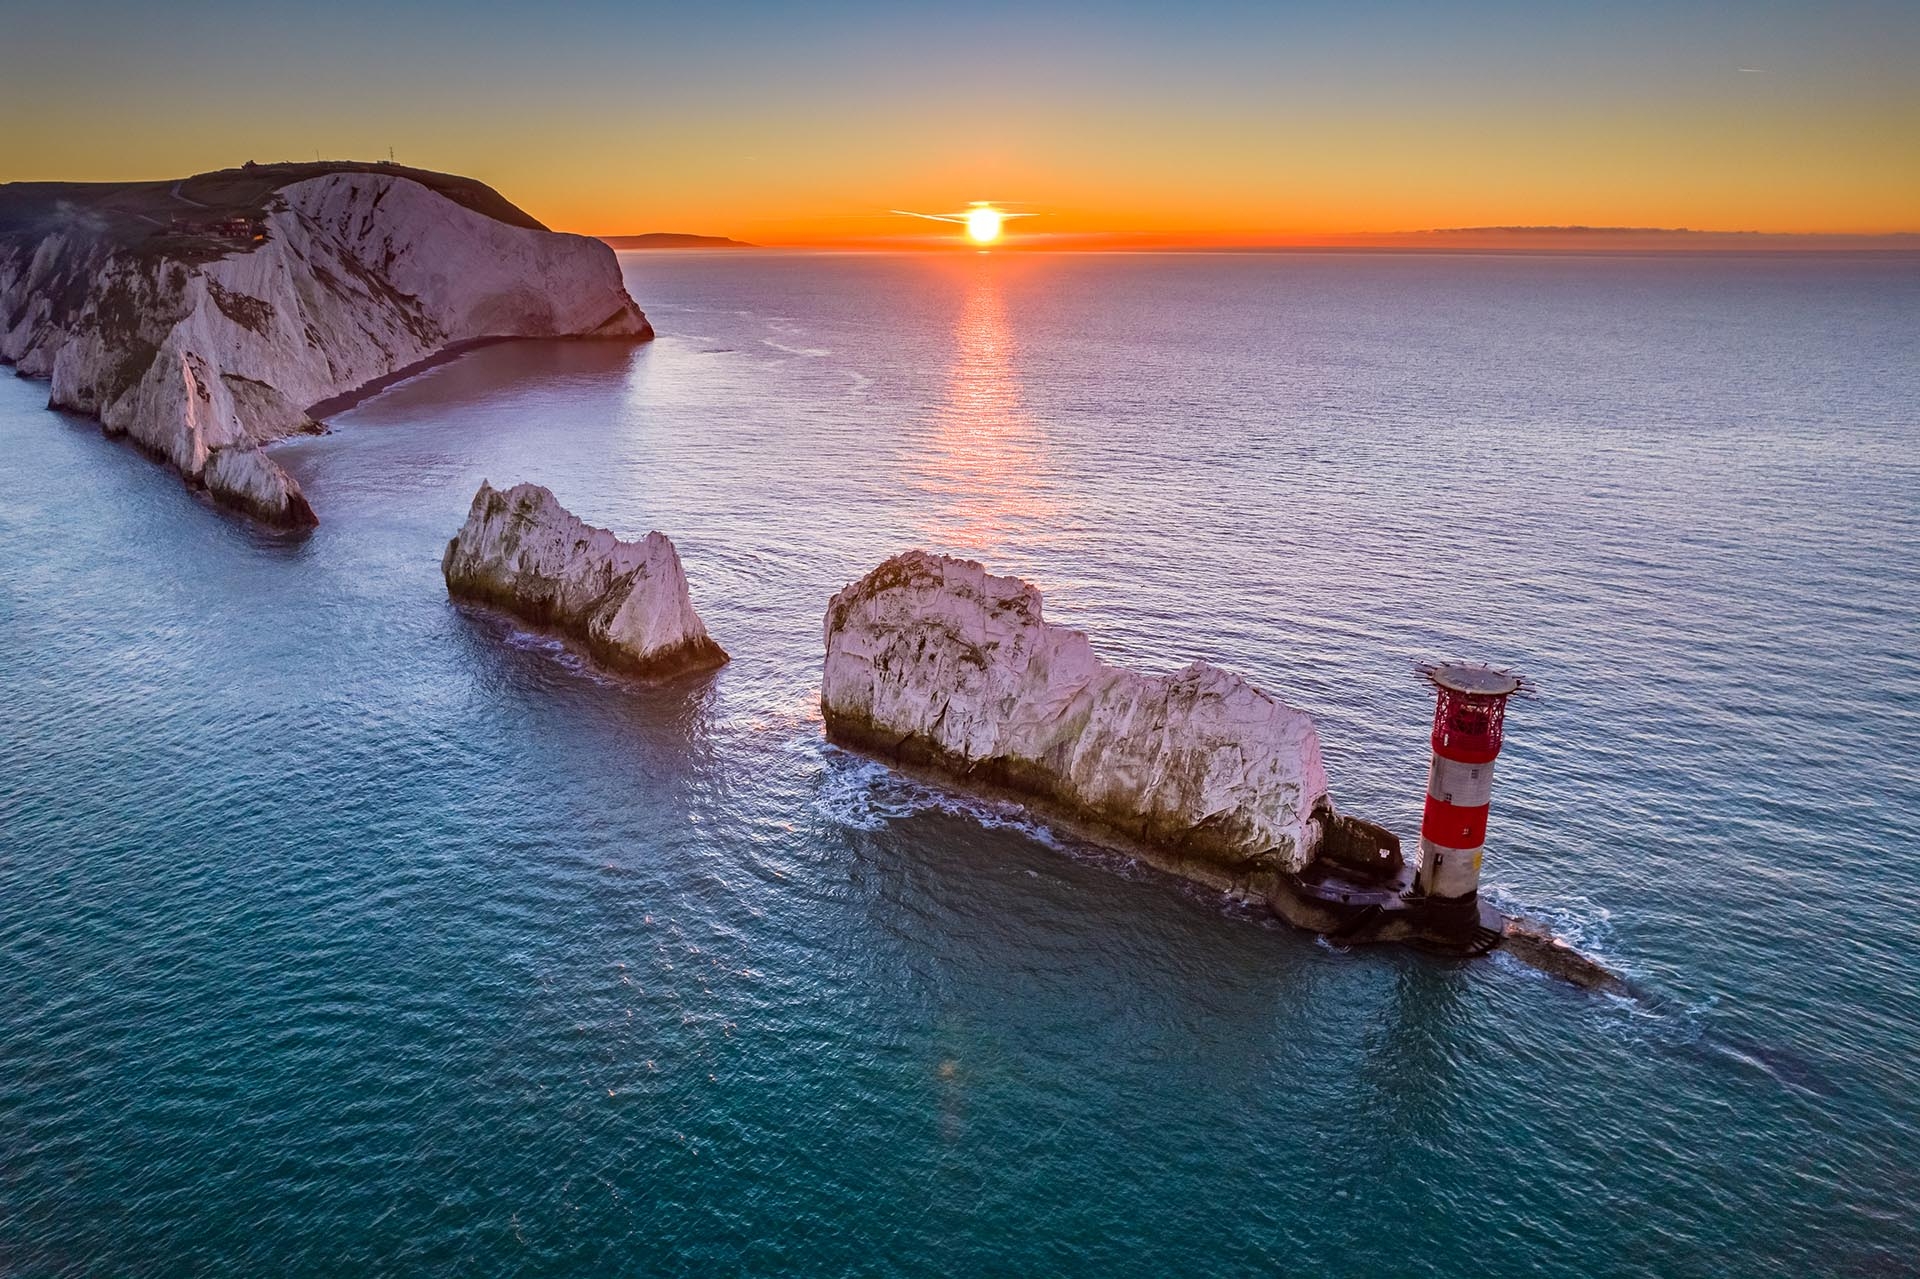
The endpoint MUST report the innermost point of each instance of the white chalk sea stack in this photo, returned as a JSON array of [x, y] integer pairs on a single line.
[[936, 662], [202, 351], [627, 602]]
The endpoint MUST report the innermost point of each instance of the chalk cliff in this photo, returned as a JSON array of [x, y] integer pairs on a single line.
[[936, 662], [204, 341], [521, 551]]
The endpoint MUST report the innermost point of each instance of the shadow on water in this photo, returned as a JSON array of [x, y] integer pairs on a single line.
[[519, 367], [1409, 1071], [1412, 1055], [996, 861], [1046, 939], [1014, 924], [513, 657], [148, 478]]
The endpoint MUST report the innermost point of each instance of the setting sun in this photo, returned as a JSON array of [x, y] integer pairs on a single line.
[[982, 221], [983, 224]]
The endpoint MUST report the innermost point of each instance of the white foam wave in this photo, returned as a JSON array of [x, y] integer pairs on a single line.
[[811, 352], [1581, 922], [866, 795], [557, 650]]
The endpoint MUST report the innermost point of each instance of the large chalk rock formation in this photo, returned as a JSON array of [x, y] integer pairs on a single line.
[[936, 662], [203, 348], [521, 551]]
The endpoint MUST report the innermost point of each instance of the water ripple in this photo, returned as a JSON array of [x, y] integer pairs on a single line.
[[345, 930]]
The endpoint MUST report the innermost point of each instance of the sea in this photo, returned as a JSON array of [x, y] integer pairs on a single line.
[[346, 931]]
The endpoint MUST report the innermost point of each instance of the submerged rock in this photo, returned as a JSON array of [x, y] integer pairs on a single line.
[[521, 551], [1537, 945], [205, 344], [935, 662]]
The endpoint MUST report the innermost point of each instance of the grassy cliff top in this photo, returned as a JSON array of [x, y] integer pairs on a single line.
[[134, 211]]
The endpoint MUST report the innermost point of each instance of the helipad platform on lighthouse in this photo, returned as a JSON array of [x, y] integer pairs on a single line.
[[1473, 679]]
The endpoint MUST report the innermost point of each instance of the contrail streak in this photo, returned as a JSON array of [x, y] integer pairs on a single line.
[[961, 216]]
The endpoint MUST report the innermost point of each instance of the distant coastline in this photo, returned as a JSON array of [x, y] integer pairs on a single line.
[[1556, 241], [1614, 239], [673, 240]]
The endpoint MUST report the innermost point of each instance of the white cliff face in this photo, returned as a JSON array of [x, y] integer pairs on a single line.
[[360, 275], [251, 482], [935, 661], [522, 551]]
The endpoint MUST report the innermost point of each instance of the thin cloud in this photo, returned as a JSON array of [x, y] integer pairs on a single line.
[[1005, 214]]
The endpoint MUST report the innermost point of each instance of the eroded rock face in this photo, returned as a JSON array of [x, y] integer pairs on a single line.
[[934, 661], [521, 551], [251, 482], [211, 351]]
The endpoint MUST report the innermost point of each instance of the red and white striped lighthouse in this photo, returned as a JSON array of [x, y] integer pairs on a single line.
[[1468, 720]]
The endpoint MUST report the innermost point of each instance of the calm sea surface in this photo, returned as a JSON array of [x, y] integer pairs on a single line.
[[343, 932]]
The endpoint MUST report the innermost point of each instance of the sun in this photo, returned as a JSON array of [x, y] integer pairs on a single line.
[[983, 223]]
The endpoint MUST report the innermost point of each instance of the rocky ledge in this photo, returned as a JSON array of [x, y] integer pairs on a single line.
[[937, 664], [627, 602], [205, 318]]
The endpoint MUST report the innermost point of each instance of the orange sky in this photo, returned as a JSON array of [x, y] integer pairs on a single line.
[[1742, 167], [1127, 125], [1261, 180]]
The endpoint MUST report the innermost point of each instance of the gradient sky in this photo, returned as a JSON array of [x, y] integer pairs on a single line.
[[781, 123]]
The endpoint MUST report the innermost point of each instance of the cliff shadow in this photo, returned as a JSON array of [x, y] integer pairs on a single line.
[[147, 481], [477, 371]]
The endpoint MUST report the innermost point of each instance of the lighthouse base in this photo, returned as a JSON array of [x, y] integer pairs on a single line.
[[1447, 923], [1350, 909]]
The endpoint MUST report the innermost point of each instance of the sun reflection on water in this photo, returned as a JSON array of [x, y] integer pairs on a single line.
[[987, 466]]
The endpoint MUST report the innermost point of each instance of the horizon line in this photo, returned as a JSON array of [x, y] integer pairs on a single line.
[[1490, 239]]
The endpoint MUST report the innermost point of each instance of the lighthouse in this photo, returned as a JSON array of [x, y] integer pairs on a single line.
[[1468, 718]]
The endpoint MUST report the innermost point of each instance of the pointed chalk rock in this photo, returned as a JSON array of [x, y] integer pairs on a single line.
[[936, 662], [251, 482], [521, 551]]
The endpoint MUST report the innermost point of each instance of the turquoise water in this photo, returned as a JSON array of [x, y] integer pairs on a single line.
[[344, 932]]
